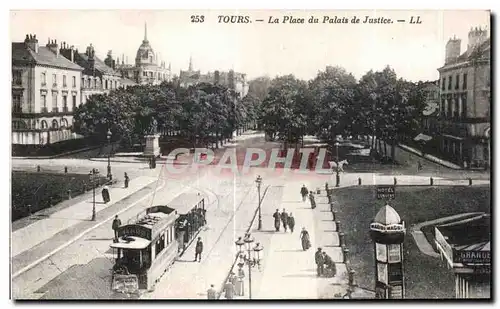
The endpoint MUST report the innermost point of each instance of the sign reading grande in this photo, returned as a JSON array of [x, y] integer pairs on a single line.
[[386, 192], [135, 230], [472, 257]]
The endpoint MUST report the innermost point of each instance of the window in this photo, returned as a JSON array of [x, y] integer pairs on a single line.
[[144, 73], [16, 104], [73, 81], [464, 82], [55, 125], [64, 81], [54, 79], [106, 85], [456, 110], [74, 102], [95, 83], [449, 82], [457, 80], [65, 104], [54, 103], [450, 107], [17, 78], [443, 107], [43, 78], [116, 84], [464, 106], [44, 103], [443, 83], [160, 244]]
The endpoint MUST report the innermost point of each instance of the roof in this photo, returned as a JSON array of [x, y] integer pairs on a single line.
[[387, 215], [467, 55], [22, 54], [185, 202], [468, 234], [98, 64], [131, 242]]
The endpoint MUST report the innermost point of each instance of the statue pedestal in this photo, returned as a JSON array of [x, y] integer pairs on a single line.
[[152, 146]]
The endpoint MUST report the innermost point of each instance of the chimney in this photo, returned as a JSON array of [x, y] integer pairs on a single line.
[[90, 54], [53, 46], [452, 50], [72, 53], [31, 42]]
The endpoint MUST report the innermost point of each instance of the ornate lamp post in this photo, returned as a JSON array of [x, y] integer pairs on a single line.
[[246, 258], [337, 177], [94, 177], [110, 176], [258, 182]]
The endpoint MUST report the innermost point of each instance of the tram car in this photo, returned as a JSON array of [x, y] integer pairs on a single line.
[[157, 236]]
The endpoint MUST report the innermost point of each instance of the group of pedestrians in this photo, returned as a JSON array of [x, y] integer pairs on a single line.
[[324, 264], [287, 219]]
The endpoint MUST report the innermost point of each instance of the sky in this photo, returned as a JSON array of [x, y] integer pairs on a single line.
[[414, 51]]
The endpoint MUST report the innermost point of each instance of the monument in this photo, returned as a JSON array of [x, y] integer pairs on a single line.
[[152, 148], [388, 232]]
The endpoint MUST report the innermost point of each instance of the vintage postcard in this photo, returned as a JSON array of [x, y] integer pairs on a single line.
[[250, 154]]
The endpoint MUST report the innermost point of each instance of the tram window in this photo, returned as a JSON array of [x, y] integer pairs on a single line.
[[160, 244]]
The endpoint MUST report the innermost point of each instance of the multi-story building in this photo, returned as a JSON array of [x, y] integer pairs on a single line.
[[97, 76], [232, 80], [431, 111], [45, 91], [465, 101], [147, 69]]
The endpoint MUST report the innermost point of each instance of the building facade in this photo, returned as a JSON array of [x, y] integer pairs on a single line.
[[465, 101], [230, 79], [97, 76], [148, 69], [46, 88]]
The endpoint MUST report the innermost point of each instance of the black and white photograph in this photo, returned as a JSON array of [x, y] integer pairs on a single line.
[[239, 155]]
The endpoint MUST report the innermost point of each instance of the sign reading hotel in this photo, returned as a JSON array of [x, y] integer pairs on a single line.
[[386, 192]]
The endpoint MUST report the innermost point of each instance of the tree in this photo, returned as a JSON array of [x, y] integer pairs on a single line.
[[259, 87]]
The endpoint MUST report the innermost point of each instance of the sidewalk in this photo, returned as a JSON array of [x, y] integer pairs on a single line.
[[33, 234]]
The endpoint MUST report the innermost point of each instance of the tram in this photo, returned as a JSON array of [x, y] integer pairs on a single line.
[[148, 246]]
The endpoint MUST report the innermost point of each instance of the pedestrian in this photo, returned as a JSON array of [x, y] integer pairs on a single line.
[[291, 222], [312, 200], [304, 238], [284, 219], [105, 195], [330, 268], [419, 166], [318, 258], [304, 192], [211, 293], [229, 290], [116, 224], [241, 281], [276, 217], [127, 179], [198, 250]]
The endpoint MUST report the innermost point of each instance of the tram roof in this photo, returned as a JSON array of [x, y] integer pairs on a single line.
[[185, 202], [468, 234], [131, 242]]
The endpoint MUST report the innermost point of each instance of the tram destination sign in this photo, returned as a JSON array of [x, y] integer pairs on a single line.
[[472, 257], [386, 192]]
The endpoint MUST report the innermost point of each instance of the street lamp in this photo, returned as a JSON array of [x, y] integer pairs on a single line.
[[110, 176], [337, 178], [258, 182], [93, 176], [247, 258]]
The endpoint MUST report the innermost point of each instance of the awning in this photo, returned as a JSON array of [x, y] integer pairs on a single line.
[[422, 137], [131, 242]]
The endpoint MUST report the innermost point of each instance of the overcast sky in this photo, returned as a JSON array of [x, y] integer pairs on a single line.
[[414, 51]]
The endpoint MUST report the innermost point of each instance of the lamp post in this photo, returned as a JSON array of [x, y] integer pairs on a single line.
[[93, 176], [246, 258], [337, 178], [110, 176], [258, 182]]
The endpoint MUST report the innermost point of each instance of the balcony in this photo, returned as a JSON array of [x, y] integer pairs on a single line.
[[44, 110], [454, 128], [65, 85], [17, 109], [55, 109], [43, 84], [54, 85], [65, 109]]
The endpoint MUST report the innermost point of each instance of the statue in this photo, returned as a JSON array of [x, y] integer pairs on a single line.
[[153, 126]]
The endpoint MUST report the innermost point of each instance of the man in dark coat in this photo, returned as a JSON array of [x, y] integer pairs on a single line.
[[276, 217], [313, 201], [198, 250], [291, 222], [116, 224], [127, 179], [318, 258], [304, 192], [284, 219]]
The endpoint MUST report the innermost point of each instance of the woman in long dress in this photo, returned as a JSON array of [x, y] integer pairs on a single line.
[[304, 237]]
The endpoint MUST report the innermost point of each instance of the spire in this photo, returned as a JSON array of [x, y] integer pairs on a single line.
[[145, 32], [190, 63]]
